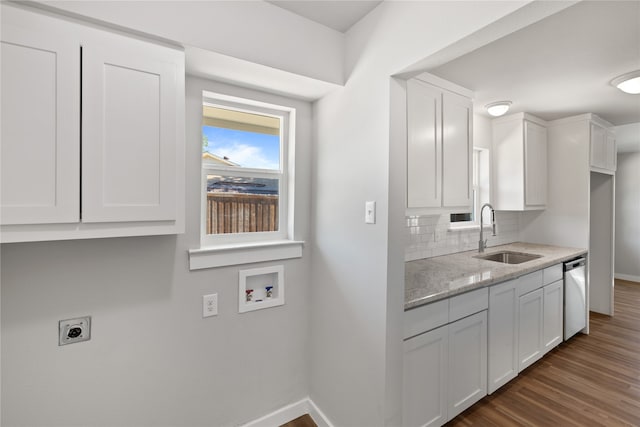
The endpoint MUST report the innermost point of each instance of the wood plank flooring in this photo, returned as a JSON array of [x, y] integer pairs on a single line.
[[302, 421], [591, 380]]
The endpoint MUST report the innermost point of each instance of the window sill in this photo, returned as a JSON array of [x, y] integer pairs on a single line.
[[468, 227], [245, 253]]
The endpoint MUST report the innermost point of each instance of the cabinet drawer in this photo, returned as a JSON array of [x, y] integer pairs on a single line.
[[530, 282], [552, 274], [469, 303], [425, 318]]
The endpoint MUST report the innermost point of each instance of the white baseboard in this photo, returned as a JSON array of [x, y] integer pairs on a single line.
[[291, 412], [627, 277]]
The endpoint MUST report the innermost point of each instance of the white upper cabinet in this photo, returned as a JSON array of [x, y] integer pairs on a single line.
[[439, 145], [129, 130], [603, 149], [92, 132], [424, 139], [519, 163], [40, 147], [457, 150]]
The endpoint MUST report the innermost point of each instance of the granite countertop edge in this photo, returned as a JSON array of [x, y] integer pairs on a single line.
[[480, 274]]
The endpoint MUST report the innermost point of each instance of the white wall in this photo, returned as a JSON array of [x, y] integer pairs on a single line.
[[254, 31], [152, 359], [357, 288], [627, 265]]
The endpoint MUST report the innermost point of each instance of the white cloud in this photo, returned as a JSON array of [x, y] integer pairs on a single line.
[[245, 155]]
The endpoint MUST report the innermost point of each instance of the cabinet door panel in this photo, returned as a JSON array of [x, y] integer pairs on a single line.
[[530, 326], [535, 161], [598, 146], [553, 314], [423, 145], [129, 131], [425, 373], [503, 334], [40, 147], [611, 152], [467, 362], [457, 150]]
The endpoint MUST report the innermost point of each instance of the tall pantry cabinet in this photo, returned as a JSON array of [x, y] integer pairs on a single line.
[[92, 131], [581, 200]]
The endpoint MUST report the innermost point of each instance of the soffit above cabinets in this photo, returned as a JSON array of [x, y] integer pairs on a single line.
[[339, 15]]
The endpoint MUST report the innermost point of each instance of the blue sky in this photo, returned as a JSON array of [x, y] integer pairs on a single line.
[[248, 149]]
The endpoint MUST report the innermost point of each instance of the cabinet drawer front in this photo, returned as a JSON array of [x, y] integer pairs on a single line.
[[425, 318], [469, 303], [552, 274], [530, 282]]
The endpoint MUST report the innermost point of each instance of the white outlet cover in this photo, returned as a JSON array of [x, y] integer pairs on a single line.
[[209, 305]]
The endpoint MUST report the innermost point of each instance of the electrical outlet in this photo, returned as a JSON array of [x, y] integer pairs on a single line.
[[210, 305], [74, 330]]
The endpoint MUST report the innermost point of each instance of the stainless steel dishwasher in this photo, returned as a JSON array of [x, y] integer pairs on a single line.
[[575, 301]]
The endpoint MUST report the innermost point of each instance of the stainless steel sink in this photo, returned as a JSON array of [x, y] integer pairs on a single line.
[[508, 257]]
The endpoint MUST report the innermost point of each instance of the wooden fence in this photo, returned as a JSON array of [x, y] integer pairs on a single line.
[[241, 213]]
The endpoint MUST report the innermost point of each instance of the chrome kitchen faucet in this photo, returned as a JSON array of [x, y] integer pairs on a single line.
[[482, 244]]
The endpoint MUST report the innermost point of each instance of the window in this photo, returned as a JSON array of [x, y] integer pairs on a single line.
[[245, 170], [480, 181]]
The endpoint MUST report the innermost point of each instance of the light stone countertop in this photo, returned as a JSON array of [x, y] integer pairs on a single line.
[[431, 279]]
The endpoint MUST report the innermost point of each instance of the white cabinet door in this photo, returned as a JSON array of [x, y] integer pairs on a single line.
[[129, 130], [503, 334], [553, 315], [520, 166], [424, 177], [530, 327], [535, 164], [457, 150], [611, 151], [40, 147], [467, 363], [425, 373], [598, 146]]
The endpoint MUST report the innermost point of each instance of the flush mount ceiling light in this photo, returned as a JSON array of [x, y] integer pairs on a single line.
[[629, 83], [497, 109]]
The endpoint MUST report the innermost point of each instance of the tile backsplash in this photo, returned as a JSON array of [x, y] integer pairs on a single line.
[[429, 235]]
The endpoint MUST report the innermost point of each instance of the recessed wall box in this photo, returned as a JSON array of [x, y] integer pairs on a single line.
[[260, 288]]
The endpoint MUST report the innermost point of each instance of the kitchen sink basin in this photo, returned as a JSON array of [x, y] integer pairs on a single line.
[[507, 257]]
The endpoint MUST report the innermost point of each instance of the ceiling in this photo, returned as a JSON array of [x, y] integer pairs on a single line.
[[339, 15], [560, 66]]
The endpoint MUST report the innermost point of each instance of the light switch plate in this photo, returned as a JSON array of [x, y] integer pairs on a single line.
[[370, 212], [209, 305]]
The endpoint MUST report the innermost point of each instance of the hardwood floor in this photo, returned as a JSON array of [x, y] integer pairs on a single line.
[[303, 421], [591, 380]]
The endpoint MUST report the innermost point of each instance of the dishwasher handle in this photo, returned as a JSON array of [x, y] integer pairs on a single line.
[[578, 262]]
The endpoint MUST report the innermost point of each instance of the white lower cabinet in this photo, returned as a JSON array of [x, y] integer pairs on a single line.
[[458, 350], [445, 371], [553, 314], [540, 322], [503, 334], [467, 362], [530, 326], [425, 378]]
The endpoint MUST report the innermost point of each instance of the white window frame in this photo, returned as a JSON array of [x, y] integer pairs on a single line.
[[240, 248], [478, 199]]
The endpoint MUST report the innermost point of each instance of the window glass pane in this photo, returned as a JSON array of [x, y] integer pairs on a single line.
[[235, 138], [241, 205]]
